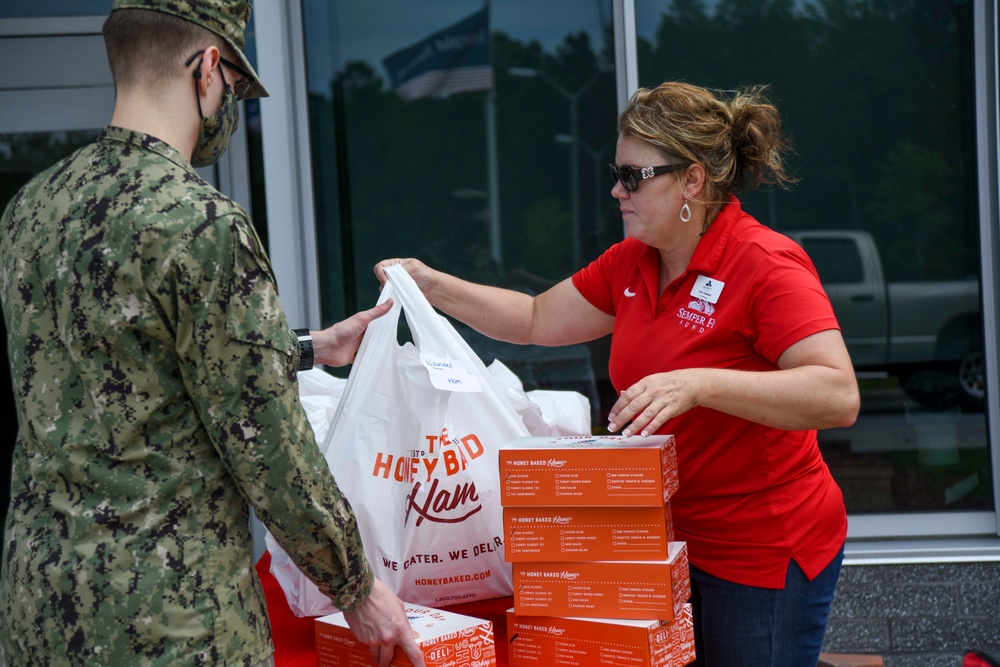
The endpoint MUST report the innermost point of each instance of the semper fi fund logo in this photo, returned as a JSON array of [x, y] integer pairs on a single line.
[[697, 316]]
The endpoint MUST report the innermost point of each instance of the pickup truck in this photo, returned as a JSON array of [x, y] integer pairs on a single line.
[[928, 334]]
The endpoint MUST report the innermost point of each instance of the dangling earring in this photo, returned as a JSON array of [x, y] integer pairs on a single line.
[[685, 212]]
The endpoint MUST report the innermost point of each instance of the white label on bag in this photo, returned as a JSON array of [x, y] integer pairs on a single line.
[[450, 374]]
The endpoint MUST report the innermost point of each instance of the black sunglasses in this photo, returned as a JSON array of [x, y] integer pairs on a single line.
[[240, 88], [630, 176]]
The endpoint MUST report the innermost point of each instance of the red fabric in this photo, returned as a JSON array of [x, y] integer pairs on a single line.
[[978, 659], [295, 639], [750, 497]]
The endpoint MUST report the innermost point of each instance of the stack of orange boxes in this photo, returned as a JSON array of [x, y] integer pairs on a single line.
[[598, 577]]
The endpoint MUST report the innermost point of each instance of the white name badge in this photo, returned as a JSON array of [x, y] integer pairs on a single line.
[[449, 374], [707, 289]]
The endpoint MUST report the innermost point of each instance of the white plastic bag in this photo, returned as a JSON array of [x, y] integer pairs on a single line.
[[414, 448], [320, 395], [544, 411]]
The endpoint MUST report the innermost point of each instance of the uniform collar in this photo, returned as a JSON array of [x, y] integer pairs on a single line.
[[146, 142]]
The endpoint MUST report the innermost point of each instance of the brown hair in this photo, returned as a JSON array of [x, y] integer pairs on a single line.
[[150, 45], [738, 140]]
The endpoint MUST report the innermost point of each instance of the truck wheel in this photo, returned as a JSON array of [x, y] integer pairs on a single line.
[[972, 381]]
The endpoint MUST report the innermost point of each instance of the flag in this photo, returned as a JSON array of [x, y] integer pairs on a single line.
[[455, 59]]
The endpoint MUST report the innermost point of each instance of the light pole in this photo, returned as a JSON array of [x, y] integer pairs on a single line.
[[572, 98], [596, 156]]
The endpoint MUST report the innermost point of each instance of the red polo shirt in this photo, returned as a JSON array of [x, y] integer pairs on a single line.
[[751, 497]]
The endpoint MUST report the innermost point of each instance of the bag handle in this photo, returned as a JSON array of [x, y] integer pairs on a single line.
[[377, 347], [432, 332]]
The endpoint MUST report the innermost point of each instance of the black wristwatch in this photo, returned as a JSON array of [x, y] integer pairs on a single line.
[[305, 349]]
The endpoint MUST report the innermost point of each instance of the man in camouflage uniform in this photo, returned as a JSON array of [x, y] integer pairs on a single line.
[[155, 378]]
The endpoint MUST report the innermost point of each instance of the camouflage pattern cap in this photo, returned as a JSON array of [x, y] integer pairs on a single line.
[[226, 18]]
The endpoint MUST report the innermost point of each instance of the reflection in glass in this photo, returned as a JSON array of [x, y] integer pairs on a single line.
[[25, 155], [879, 101], [504, 185]]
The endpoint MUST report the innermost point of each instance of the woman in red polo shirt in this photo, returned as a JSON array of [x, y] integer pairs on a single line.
[[722, 336]]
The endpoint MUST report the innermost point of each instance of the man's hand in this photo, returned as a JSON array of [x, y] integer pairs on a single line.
[[381, 623], [337, 345]]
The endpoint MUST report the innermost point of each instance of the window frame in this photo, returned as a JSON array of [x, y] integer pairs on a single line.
[[986, 62]]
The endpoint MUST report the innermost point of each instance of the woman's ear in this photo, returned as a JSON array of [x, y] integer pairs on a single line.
[[694, 181]]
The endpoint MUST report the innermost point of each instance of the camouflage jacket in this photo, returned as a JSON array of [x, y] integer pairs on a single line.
[[155, 380]]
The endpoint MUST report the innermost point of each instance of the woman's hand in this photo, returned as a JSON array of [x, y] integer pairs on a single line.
[[651, 401], [424, 276]]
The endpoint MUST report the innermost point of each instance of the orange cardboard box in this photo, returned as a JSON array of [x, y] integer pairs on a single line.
[[445, 638], [604, 589], [587, 533], [541, 641], [588, 471]]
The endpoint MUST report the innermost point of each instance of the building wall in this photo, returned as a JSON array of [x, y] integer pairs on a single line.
[[917, 615]]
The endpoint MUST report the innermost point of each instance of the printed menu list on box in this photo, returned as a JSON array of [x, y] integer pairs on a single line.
[[625, 483], [588, 471], [586, 533], [618, 483]]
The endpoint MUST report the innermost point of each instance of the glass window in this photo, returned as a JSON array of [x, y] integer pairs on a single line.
[[838, 260], [474, 138], [878, 99]]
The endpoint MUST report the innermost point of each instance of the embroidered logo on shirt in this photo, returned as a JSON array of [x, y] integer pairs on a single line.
[[697, 317], [629, 293], [701, 306]]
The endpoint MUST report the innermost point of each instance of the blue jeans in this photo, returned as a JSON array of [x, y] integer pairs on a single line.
[[746, 626]]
